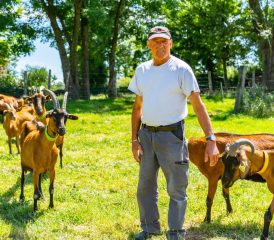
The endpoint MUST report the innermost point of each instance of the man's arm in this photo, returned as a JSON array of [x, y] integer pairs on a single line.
[[135, 125], [199, 108]]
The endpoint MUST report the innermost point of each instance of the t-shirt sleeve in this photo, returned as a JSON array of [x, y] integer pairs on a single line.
[[189, 82], [133, 85]]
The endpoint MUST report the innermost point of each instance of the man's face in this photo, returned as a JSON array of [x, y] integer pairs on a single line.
[[160, 48]]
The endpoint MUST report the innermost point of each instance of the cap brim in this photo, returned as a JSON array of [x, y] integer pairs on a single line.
[[159, 35]]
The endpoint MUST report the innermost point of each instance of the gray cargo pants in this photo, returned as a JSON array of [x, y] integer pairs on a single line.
[[167, 150]]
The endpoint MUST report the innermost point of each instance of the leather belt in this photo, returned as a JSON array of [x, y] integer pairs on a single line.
[[167, 128]]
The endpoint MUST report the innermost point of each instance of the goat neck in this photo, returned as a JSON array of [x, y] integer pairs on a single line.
[[257, 163]]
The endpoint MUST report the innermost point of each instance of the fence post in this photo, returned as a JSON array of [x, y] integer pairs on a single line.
[[49, 79], [210, 82], [240, 89], [253, 79], [222, 91], [25, 83]]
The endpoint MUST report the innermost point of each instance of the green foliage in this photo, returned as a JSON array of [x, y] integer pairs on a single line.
[[258, 102], [95, 192], [10, 86], [37, 76], [16, 35], [206, 33]]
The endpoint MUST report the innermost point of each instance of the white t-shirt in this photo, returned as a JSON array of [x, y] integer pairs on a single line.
[[164, 90]]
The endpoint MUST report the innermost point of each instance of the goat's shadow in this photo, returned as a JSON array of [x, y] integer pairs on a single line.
[[18, 214]]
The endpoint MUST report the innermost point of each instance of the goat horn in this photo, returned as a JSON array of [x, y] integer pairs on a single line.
[[233, 147], [65, 100], [7, 105], [54, 98], [12, 107], [41, 88], [34, 89]]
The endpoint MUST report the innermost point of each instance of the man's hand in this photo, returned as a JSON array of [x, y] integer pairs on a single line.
[[137, 150], [211, 153]]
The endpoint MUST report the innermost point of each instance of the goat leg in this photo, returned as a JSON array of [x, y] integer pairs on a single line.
[[40, 191], [17, 143], [22, 197], [9, 142], [36, 190], [51, 188], [61, 154], [212, 187], [267, 219], [227, 200]]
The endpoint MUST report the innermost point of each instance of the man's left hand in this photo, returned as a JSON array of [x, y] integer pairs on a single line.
[[211, 153]]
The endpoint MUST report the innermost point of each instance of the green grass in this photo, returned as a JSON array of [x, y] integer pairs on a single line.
[[95, 192]]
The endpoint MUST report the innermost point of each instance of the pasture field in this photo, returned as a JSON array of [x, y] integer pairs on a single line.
[[95, 191]]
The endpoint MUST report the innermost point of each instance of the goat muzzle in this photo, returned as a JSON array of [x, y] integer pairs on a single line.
[[61, 131]]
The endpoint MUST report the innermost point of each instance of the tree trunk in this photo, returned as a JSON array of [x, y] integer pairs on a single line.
[[112, 88], [85, 55], [50, 10], [266, 45], [240, 89], [226, 84], [74, 81], [210, 86]]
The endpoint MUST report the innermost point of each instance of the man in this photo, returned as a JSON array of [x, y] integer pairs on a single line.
[[162, 86]]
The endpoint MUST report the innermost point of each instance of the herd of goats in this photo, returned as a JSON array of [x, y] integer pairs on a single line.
[[40, 135]]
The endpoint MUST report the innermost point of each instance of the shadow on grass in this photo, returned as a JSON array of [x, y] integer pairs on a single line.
[[217, 230], [15, 213], [220, 116]]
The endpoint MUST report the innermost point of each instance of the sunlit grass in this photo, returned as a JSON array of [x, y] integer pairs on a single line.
[[95, 192]]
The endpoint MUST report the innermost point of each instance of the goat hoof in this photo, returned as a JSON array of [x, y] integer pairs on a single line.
[[22, 199]]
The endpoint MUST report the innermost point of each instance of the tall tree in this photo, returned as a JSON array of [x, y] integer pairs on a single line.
[[16, 36], [209, 33], [112, 89], [263, 22], [65, 22], [85, 52]]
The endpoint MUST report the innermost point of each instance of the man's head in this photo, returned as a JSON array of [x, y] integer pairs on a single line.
[[159, 42], [159, 31]]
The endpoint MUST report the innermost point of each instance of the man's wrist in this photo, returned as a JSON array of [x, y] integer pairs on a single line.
[[134, 140], [211, 137]]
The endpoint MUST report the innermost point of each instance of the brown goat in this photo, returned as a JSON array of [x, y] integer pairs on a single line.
[[196, 147], [256, 162], [13, 123], [39, 103], [38, 149], [38, 99], [15, 102]]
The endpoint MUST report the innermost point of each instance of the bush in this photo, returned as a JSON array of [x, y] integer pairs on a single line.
[[258, 102], [9, 86]]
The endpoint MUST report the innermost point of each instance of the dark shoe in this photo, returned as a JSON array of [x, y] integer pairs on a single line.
[[176, 235], [144, 235]]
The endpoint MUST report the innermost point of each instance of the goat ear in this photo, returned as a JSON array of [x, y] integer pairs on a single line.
[[72, 117], [27, 100], [48, 98], [49, 114]]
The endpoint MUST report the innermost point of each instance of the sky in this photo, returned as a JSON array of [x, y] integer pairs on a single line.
[[43, 56]]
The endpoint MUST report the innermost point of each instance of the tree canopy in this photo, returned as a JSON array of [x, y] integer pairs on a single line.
[[100, 41]]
